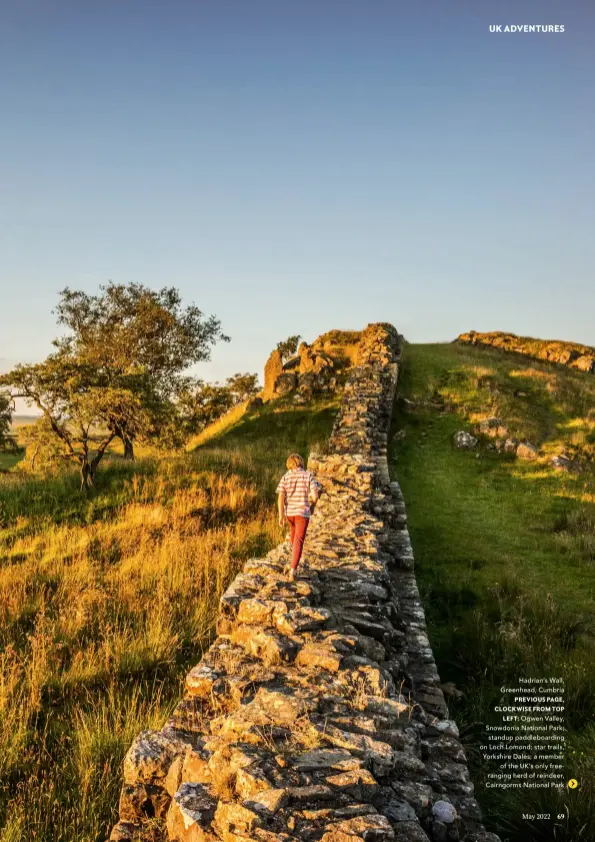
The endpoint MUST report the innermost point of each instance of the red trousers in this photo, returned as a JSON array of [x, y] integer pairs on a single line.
[[298, 526]]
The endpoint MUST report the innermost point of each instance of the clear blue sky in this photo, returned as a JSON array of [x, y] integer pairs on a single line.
[[298, 165]]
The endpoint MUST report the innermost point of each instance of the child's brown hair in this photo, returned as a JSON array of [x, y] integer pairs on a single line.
[[294, 460]]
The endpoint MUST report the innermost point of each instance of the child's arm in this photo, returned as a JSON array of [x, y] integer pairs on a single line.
[[281, 507], [281, 498], [315, 489]]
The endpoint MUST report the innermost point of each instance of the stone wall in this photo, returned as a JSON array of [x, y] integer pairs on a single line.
[[572, 354], [317, 713]]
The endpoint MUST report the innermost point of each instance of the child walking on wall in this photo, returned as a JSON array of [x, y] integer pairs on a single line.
[[298, 493]]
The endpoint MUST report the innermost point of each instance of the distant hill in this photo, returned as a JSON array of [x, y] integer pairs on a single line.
[[23, 420], [572, 354]]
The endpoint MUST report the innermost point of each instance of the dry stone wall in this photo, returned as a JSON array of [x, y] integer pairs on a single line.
[[317, 713]]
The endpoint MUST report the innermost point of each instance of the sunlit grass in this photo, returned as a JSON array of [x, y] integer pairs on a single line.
[[106, 602], [218, 427]]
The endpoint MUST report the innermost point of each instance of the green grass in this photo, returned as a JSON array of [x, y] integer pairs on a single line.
[[106, 602], [9, 460], [505, 553]]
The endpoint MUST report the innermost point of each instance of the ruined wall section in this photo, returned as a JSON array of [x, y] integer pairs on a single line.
[[571, 354], [317, 712]]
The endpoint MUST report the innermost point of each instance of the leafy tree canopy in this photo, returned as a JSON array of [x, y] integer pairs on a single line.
[[288, 348], [44, 451], [131, 330], [140, 340], [202, 403]]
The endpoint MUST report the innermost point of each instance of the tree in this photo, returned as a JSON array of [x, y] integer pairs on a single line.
[[202, 403], [138, 342], [288, 348], [242, 387], [6, 410], [118, 373], [79, 412]]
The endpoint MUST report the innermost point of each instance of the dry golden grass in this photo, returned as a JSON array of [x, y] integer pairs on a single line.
[[87, 606], [106, 602]]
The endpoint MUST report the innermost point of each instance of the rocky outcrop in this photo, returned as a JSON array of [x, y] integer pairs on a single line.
[[272, 369], [317, 714], [494, 428], [573, 354], [317, 368]]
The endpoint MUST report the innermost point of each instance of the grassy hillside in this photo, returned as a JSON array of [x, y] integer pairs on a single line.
[[505, 553], [106, 602], [9, 459]]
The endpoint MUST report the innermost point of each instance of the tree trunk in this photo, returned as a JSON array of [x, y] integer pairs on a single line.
[[87, 475], [89, 469], [128, 448], [34, 457]]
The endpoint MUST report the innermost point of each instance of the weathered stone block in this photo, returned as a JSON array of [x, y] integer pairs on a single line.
[[235, 818], [266, 644], [371, 828], [191, 813], [316, 656], [125, 831], [150, 756]]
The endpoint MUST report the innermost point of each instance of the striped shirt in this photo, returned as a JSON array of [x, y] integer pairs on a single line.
[[298, 484]]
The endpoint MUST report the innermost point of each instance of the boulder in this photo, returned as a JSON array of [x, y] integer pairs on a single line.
[[125, 832], [493, 427], [410, 832], [585, 363], [309, 361], [464, 440], [371, 828], [141, 801], [268, 802], [286, 382], [526, 450], [234, 818], [564, 463], [444, 811], [395, 809]]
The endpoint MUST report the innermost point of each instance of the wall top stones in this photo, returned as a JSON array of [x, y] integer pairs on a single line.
[[317, 714]]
